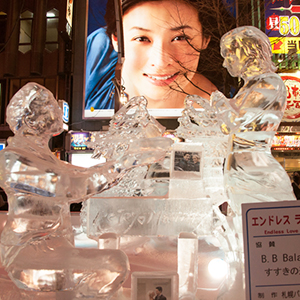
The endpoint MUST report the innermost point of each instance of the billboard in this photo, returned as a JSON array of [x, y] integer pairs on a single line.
[[162, 45], [283, 25]]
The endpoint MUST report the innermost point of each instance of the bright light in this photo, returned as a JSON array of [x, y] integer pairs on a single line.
[[218, 268], [50, 14]]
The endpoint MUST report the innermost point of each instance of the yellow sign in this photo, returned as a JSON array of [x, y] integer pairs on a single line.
[[285, 45]]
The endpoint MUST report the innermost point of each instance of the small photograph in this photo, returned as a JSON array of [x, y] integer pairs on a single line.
[[187, 161], [154, 286]]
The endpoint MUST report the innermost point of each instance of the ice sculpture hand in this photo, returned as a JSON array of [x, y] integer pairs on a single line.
[[198, 122], [37, 246], [252, 118], [125, 127], [132, 124]]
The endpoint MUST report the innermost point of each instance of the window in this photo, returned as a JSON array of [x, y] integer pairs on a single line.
[[25, 31], [3, 22], [52, 30]]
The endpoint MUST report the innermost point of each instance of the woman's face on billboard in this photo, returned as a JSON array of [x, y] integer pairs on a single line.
[[162, 42]]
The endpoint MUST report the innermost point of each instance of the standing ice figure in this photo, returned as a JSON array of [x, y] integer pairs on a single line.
[[251, 118], [37, 247]]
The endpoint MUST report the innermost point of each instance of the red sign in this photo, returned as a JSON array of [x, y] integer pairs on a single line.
[[292, 111]]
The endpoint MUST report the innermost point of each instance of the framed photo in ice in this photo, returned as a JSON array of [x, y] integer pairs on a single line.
[[144, 285], [186, 161]]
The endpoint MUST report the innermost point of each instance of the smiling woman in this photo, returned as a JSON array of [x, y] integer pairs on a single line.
[[164, 42]]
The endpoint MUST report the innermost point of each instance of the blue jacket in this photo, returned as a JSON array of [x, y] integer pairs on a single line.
[[101, 60]]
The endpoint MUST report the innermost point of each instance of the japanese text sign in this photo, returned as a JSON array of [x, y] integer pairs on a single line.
[[283, 25], [272, 249], [292, 111]]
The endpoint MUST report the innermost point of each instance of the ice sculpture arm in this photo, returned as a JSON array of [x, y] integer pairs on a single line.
[[258, 106], [40, 173], [140, 152], [226, 112], [204, 117], [30, 168]]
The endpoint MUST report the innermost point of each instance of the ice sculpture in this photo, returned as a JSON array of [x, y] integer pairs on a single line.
[[131, 123], [195, 124], [177, 226], [251, 119], [37, 247], [202, 127]]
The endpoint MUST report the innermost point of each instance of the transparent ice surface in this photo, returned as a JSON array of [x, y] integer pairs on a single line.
[[197, 123], [37, 242], [158, 221], [239, 130], [151, 230], [201, 127], [251, 119], [148, 216], [131, 123], [187, 252]]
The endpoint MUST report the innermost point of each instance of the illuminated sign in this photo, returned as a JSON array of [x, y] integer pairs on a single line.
[[69, 12], [69, 16], [2, 144], [283, 25], [285, 45], [292, 111], [79, 141], [286, 141], [66, 110], [165, 87]]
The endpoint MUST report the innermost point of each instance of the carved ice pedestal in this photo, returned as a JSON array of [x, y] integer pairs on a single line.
[[166, 216], [165, 235], [181, 232]]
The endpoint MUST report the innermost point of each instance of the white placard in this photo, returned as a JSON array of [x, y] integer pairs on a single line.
[[272, 250]]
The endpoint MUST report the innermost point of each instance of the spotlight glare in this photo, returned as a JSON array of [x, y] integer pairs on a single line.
[[218, 268]]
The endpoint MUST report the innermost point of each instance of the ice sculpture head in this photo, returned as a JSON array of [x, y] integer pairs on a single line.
[[247, 52], [34, 110]]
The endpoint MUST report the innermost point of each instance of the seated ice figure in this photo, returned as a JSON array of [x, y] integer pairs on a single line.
[[251, 119], [37, 247]]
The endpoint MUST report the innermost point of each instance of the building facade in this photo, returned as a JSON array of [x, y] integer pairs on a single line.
[[35, 45]]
